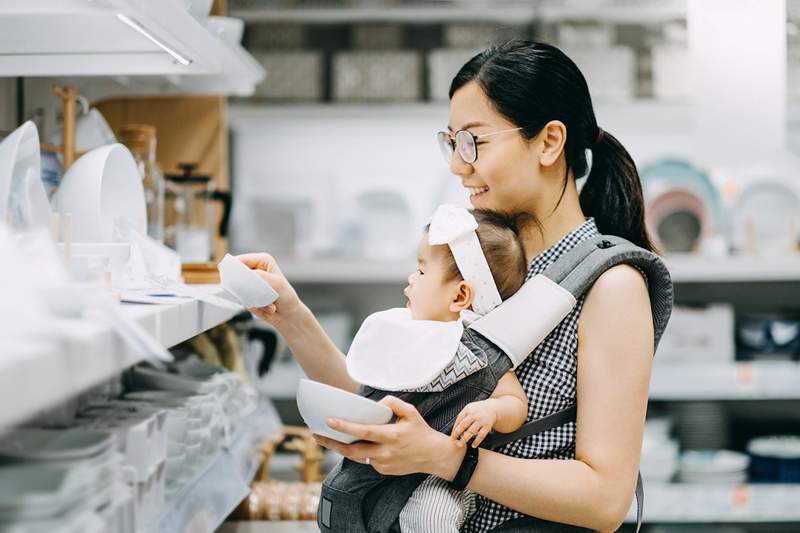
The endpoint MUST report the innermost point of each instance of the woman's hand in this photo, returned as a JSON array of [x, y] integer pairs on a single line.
[[407, 446], [287, 303], [477, 419]]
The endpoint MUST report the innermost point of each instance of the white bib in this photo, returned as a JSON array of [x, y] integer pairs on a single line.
[[393, 352]]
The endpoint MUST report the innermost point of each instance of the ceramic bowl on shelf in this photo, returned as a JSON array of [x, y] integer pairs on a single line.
[[317, 402], [103, 191], [775, 459], [23, 198]]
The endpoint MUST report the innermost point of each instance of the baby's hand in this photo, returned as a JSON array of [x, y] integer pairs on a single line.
[[476, 420]]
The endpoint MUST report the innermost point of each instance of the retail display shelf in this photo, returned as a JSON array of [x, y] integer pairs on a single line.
[[509, 12], [142, 46], [216, 489], [735, 269], [762, 380], [706, 503], [41, 375], [684, 269]]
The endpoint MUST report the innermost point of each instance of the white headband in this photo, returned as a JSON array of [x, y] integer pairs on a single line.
[[455, 226]]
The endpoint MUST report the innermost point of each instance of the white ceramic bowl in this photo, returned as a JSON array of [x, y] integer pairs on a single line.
[[244, 284], [317, 402], [20, 169], [98, 189], [228, 29]]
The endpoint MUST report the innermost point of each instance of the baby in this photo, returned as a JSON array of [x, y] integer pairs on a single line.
[[468, 262]]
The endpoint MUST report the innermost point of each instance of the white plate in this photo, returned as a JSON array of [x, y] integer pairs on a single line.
[[766, 219], [54, 445], [20, 170], [244, 284], [100, 188], [317, 402]]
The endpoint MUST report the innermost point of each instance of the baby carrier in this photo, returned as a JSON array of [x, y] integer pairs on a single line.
[[357, 499]]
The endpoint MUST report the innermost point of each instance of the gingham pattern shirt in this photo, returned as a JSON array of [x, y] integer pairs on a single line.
[[549, 377]]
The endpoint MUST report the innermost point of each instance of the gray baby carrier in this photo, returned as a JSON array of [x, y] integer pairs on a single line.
[[357, 499]]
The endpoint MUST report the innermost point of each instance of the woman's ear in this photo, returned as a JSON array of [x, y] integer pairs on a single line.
[[554, 138], [462, 298]]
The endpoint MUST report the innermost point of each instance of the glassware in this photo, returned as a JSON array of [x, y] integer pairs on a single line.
[[141, 141]]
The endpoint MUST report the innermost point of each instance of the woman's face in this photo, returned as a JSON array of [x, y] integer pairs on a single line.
[[508, 175], [429, 295]]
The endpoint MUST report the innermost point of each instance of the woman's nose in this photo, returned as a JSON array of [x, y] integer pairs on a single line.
[[458, 166]]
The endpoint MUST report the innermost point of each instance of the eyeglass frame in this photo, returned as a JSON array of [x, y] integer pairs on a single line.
[[452, 138]]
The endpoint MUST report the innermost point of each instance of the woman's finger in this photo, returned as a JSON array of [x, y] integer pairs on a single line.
[[257, 261], [371, 433], [357, 451], [400, 408]]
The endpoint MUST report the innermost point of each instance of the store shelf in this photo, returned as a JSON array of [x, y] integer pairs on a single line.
[[697, 269], [43, 375], [700, 503], [215, 491], [508, 12], [118, 40], [684, 269], [767, 380]]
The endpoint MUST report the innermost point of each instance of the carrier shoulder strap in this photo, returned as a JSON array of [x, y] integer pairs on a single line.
[[549, 297]]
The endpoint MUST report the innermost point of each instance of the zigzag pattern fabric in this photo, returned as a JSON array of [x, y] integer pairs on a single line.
[[463, 364]]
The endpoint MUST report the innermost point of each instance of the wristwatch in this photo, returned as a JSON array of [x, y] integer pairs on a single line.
[[466, 469]]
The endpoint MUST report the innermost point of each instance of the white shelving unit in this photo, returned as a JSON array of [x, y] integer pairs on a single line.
[[121, 46], [684, 269], [509, 12], [764, 380], [44, 378], [701, 503], [215, 491]]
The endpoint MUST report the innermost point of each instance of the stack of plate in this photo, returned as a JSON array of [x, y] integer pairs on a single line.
[[766, 219], [702, 425], [714, 466], [56, 479], [659, 452]]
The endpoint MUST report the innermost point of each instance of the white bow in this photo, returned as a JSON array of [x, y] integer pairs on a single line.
[[455, 226]]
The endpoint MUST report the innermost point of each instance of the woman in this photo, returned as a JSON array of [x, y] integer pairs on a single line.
[[520, 124]]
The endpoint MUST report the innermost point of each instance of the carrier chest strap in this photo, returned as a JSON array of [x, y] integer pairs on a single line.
[[559, 418]]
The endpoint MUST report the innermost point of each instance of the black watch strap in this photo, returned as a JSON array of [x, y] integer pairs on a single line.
[[466, 469]]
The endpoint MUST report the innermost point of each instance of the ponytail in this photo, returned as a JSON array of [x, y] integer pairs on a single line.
[[612, 193]]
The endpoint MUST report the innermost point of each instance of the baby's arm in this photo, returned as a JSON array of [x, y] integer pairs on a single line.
[[511, 403], [505, 410]]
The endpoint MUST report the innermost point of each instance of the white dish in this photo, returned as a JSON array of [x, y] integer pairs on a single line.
[[317, 402], [20, 170], [148, 378], [54, 445], [766, 219], [245, 284], [99, 189]]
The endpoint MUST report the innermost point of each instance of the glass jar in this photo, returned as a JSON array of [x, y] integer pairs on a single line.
[[141, 141]]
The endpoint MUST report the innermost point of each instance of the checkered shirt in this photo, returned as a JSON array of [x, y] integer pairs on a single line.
[[548, 376]]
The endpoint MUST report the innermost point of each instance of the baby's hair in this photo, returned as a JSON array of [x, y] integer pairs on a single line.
[[499, 235]]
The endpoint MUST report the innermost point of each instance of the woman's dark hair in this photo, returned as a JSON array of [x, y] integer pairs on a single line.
[[532, 83], [499, 237]]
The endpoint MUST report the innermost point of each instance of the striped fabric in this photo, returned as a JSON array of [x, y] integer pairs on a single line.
[[548, 376], [434, 507]]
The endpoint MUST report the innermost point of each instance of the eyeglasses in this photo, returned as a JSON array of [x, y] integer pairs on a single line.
[[465, 142]]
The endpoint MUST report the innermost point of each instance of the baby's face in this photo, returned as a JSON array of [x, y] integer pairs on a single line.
[[429, 295]]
